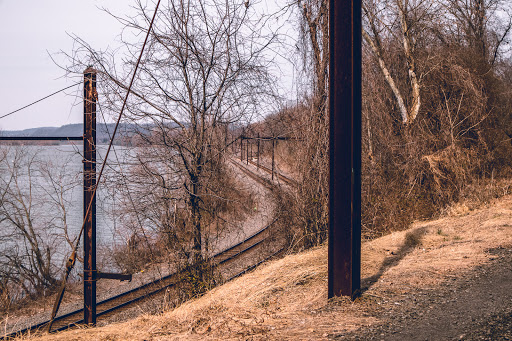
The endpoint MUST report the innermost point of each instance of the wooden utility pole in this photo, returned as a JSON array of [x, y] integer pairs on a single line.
[[345, 148], [90, 271]]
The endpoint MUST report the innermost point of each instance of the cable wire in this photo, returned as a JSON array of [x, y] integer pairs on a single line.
[[39, 100]]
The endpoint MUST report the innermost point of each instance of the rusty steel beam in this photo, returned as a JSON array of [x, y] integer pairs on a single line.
[[241, 149], [41, 138], [273, 147], [109, 275], [345, 148], [90, 271], [258, 164]]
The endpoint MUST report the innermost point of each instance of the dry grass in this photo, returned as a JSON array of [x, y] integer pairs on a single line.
[[286, 299]]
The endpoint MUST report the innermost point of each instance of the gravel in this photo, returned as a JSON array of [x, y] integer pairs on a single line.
[[477, 306]]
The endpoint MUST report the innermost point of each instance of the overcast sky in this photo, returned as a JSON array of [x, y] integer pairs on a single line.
[[31, 29]]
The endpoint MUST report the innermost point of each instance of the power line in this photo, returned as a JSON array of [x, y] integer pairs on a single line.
[[39, 100]]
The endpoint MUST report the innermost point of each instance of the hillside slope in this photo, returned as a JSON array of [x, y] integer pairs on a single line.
[[411, 279], [103, 132]]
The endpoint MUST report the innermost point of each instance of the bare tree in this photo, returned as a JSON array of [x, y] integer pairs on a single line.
[[393, 28], [314, 17], [483, 26], [33, 213], [312, 194], [205, 67]]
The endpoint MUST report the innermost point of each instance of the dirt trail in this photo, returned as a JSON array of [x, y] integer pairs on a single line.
[[477, 306]]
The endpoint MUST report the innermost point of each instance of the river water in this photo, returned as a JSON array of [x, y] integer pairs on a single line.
[[48, 187], [51, 175]]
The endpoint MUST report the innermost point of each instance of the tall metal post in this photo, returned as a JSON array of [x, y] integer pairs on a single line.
[[258, 164], [345, 148], [226, 135], [241, 148], [90, 271], [273, 147]]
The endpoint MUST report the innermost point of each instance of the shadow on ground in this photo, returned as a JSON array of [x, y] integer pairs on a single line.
[[412, 240]]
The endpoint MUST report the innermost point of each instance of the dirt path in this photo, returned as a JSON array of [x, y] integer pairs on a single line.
[[477, 306]]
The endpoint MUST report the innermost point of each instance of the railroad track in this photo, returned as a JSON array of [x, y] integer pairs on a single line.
[[253, 176], [124, 300], [116, 303], [279, 176]]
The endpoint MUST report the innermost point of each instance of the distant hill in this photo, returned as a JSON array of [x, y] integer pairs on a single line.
[[103, 131]]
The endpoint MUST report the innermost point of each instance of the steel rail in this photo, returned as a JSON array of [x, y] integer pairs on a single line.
[[257, 264], [232, 257], [154, 292], [66, 321], [280, 176], [69, 321], [264, 182]]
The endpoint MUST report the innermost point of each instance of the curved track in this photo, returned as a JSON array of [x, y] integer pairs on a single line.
[[127, 299], [279, 176]]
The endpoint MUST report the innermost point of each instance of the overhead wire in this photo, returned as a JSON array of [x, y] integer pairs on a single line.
[[71, 262], [39, 100]]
